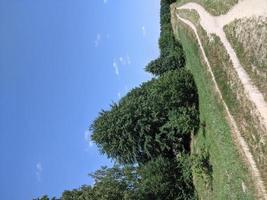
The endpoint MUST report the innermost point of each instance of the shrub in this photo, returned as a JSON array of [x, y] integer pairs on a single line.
[[164, 178], [202, 166]]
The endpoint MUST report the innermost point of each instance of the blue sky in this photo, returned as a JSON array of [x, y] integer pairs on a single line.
[[61, 62]]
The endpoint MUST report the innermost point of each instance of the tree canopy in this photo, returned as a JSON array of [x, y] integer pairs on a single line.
[[151, 120], [171, 51], [161, 178]]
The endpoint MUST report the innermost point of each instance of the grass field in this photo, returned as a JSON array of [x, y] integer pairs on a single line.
[[234, 95], [229, 176], [215, 7]]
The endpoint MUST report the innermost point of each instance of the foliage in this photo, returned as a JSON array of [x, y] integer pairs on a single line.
[[228, 169], [202, 166], [153, 119], [45, 197], [115, 183], [161, 178], [171, 52], [166, 179]]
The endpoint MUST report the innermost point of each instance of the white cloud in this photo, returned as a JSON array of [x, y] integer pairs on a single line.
[[119, 62], [97, 40], [38, 171], [116, 68], [128, 59], [144, 30], [124, 60], [119, 95], [39, 167]]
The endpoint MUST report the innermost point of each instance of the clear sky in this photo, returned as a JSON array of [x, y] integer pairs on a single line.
[[61, 62]]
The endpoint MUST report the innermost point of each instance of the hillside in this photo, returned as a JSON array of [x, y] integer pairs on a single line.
[[229, 70]]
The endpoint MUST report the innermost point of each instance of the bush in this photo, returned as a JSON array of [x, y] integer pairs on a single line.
[[166, 179], [202, 166]]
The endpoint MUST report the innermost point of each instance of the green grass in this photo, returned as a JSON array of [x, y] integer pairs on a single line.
[[228, 171], [233, 94], [215, 7]]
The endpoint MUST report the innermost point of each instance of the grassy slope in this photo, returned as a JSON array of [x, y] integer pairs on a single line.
[[228, 170], [234, 96], [215, 7]]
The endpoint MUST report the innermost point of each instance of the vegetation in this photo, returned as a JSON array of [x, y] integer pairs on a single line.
[[202, 166], [215, 7], [154, 119], [45, 197], [154, 136], [171, 52], [249, 40], [213, 143], [151, 127], [150, 181], [241, 108]]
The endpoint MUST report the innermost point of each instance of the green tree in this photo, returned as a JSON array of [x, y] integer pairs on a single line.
[[151, 120], [167, 179], [171, 51], [71, 195], [118, 182], [115, 183], [45, 197], [160, 178]]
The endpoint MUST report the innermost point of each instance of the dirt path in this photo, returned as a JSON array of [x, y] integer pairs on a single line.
[[215, 25]]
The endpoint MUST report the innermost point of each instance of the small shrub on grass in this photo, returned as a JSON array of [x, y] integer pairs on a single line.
[[202, 166]]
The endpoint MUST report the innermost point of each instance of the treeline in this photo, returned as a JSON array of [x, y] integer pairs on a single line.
[[147, 133], [171, 52]]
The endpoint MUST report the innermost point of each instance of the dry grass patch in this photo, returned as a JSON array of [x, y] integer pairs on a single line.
[[214, 7], [249, 39]]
